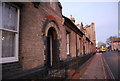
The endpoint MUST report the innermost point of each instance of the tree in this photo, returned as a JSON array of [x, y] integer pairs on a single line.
[[101, 44]]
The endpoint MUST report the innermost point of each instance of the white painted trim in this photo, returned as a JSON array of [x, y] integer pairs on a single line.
[[0, 14], [51, 53], [8, 30], [0, 32], [0, 46], [9, 59], [68, 43], [17, 38], [15, 58]]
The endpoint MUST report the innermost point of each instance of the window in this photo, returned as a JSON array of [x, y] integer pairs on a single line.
[[9, 32], [80, 45], [68, 42]]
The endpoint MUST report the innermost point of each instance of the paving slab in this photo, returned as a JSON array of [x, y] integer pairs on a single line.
[[95, 68]]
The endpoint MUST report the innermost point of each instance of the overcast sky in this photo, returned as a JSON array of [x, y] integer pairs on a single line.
[[104, 14]]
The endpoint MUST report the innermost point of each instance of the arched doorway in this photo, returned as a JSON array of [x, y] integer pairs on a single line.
[[51, 47], [83, 49]]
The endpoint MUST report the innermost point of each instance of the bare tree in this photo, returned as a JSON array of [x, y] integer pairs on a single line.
[[101, 44]]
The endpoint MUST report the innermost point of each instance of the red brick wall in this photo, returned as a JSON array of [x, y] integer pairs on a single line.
[[72, 44], [31, 42]]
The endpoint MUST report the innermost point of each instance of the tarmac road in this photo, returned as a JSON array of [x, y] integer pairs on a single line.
[[112, 58]]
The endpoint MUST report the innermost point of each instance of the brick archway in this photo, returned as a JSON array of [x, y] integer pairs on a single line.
[[48, 24], [51, 56], [51, 39]]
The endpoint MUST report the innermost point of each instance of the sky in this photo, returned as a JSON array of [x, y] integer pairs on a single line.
[[103, 14], [119, 19]]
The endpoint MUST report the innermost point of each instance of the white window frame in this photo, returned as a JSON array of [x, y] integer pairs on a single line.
[[67, 43], [15, 58], [0, 31]]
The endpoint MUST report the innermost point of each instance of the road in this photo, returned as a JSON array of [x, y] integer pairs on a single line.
[[112, 59]]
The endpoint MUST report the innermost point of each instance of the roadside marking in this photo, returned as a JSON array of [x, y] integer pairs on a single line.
[[103, 67], [109, 71]]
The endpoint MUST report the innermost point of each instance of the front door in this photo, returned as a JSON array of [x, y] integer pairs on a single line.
[[52, 54]]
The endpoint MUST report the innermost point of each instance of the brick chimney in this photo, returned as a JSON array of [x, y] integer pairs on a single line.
[[72, 19], [80, 25]]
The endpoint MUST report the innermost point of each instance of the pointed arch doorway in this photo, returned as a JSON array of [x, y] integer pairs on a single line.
[[52, 55]]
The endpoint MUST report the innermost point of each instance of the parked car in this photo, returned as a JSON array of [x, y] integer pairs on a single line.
[[103, 50]]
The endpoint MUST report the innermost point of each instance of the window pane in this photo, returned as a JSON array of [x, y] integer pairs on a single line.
[[68, 44], [8, 44], [9, 16], [0, 14]]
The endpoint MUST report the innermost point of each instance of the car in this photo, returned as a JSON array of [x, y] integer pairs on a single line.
[[103, 50]]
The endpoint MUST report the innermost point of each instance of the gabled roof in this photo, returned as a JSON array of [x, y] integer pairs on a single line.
[[72, 26], [88, 39], [116, 41]]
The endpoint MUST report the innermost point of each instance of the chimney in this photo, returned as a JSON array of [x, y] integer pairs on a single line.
[[72, 19], [80, 25], [93, 25]]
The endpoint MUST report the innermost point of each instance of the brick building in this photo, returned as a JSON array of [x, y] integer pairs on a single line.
[[37, 37], [115, 45], [89, 38], [90, 34]]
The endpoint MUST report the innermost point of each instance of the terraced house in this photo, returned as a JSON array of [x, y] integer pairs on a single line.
[[38, 41]]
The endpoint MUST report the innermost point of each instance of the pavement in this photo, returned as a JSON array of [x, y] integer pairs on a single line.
[[94, 68], [101, 66]]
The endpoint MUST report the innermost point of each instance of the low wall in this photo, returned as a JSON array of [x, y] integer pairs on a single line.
[[61, 72]]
